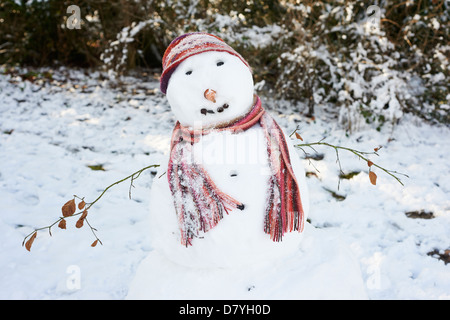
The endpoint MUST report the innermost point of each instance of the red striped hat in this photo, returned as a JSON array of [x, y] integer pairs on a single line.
[[188, 45]]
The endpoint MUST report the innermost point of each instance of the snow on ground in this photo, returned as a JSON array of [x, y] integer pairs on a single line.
[[53, 129]]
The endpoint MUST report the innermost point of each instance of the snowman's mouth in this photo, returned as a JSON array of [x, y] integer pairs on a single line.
[[220, 109]]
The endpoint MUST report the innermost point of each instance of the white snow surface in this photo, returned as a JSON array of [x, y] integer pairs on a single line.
[[51, 131]]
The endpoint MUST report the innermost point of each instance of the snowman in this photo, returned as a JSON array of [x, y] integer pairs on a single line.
[[232, 197], [235, 189]]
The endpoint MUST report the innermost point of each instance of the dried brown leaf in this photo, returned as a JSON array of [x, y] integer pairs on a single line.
[[94, 243], [298, 136], [79, 223], [62, 224], [30, 241], [373, 178], [369, 163], [81, 205], [69, 208], [84, 215]]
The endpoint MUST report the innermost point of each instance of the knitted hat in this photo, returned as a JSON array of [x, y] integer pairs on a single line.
[[188, 45]]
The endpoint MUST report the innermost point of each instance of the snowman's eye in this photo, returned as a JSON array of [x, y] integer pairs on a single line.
[[189, 72], [220, 63]]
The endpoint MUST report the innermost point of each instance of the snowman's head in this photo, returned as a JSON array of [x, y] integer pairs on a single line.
[[206, 82]]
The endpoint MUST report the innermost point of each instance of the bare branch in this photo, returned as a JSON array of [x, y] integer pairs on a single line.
[[359, 154], [133, 177]]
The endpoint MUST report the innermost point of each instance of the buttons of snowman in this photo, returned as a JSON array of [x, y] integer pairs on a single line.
[[229, 159]]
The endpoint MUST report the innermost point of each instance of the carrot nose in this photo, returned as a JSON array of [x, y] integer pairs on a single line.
[[210, 95]]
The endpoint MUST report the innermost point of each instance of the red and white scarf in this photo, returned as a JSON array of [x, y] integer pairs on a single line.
[[199, 203]]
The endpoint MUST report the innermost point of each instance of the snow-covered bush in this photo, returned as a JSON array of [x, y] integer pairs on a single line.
[[241, 24], [334, 54], [321, 53], [35, 33], [420, 32], [348, 61]]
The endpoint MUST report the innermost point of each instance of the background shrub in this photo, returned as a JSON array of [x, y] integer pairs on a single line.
[[330, 54]]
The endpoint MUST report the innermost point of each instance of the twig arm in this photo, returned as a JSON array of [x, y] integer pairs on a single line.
[[360, 154], [132, 176]]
